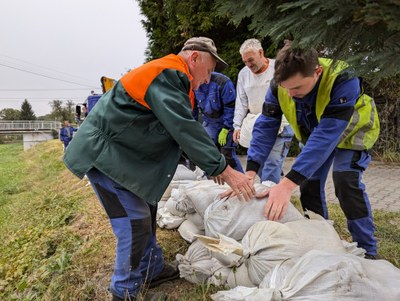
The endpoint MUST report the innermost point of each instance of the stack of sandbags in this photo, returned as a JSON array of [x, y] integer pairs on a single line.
[[268, 243]]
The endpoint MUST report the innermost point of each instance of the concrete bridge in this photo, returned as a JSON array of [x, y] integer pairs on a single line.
[[32, 131]]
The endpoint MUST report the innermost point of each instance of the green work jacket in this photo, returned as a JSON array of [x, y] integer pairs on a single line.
[[137, 131]]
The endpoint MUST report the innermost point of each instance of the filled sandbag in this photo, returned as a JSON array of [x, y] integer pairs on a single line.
[[233, 217], [246, 129], [167, 220], [239, 276], [201, 194], [184, 173], [321, 275], [187, 230], [196, 266], [196, 219]]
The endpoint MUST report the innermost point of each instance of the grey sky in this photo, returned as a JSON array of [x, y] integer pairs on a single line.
[[60, 49]]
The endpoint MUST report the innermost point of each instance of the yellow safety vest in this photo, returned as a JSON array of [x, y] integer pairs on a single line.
[[363, 128]]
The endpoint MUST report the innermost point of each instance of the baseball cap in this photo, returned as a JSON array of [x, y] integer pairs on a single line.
[[207, 45]]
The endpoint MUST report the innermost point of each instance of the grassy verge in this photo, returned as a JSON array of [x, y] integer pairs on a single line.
[[56, 242]]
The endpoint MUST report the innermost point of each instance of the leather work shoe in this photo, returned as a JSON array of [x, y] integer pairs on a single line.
[[169, 272], [370, 256], [149, 296]]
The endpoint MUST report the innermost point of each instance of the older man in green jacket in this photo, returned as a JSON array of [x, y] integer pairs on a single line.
[[129, 147]]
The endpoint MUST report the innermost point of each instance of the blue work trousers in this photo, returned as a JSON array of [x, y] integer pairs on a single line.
[[272, 168], [133, 220], [348, 168], [229, 149]]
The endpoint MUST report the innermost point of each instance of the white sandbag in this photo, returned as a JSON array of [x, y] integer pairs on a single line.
[[276, 278], [187, 230], [239, 276], [171, 206], [161, 204], [200, 174], [233, 217], [267, 244], [219, 276], [320, 275], [196, 219], [166, 220], [177, 183], [312, 215], [197, 264], [202, 193], [184, 173], [242, 293], [183, 204], [246, 129], [352, 248], [317, 235]]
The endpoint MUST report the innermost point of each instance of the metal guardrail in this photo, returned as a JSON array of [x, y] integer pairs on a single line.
[[28, 125]]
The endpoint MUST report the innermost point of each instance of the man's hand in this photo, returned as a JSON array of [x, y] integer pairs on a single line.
[[279, 198], [222, 136], [236, 136], [230, 193], [241, 184]]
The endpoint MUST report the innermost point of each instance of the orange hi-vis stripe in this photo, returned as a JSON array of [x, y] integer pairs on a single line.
[[137, 81]]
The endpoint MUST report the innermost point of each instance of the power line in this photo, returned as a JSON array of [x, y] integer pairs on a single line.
[[38, 74], [46, 68]]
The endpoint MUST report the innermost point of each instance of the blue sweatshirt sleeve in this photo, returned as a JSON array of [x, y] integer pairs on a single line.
[[228, 95], [326, 136], [264, 133]]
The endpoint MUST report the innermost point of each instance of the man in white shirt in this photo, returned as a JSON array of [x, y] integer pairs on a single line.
[[252, 85]]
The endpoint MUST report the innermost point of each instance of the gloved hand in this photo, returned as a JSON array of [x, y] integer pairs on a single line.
[[222, 136]]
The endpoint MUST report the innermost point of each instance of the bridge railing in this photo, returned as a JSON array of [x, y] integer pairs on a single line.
[[29, 125]]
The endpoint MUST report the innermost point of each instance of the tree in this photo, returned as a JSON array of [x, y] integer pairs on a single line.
[[170, 23], [10, 114], [60, 112], [363, 33], [26, 111], [69, 110]]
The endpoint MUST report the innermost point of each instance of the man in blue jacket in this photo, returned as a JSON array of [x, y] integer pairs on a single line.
[[216, 103], [67, 133], [337, 123]]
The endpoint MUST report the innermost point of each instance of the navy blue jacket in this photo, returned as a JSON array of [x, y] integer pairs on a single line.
[[216, 101]]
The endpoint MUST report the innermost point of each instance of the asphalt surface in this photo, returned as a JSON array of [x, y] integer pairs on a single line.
[[382, 183]]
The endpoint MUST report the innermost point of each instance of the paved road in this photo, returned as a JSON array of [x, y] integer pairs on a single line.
[[382, 183]]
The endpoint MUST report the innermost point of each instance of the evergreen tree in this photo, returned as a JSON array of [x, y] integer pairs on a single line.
[[170, 23], [364, 33], [26, 111]]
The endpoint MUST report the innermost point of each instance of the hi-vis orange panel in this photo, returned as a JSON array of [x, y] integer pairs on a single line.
[[137, 81]]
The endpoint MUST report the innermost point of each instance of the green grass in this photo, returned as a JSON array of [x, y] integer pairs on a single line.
[[56, 242]]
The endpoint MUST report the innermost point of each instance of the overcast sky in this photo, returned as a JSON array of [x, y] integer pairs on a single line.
[[59, 49]]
